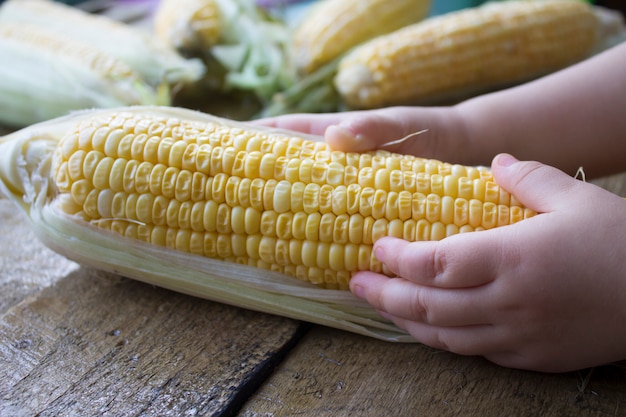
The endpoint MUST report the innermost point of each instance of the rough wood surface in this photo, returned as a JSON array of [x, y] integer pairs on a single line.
[[332, 373], [26, 266], [74, 341]]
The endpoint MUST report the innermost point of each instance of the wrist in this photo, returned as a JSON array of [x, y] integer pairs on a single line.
[[465, 142]]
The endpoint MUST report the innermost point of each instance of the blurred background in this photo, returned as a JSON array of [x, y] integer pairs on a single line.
[[245, 59]]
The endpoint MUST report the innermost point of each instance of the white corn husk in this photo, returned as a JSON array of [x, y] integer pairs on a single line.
[[25, 178], [142, 51], [51, 74]]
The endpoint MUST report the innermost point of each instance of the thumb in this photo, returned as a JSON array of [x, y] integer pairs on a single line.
[[362, 133], [537, 186], [369, 130]]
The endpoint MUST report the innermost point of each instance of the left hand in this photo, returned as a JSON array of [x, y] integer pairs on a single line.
[[442, 134]]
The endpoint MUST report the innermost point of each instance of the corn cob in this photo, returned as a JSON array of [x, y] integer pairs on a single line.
[[272, 201], [51, 74], [156, 193], [462, 53], [334, 26], [155, 61]]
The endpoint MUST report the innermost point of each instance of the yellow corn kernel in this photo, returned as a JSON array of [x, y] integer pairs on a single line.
[[469, 51], [334, 26], [296, 222]]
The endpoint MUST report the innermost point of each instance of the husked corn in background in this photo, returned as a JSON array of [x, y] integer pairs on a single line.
[[45, 75], [468, 51], [58, 59], [266, 199], [144, 53], [332, 27]]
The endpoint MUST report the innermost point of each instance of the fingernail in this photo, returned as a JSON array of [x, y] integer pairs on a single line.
[[506, 160], [344, 137], [341, 132]]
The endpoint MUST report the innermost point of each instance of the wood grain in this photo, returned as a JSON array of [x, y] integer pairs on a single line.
[[75, 341], [333, 373], [26, 266]]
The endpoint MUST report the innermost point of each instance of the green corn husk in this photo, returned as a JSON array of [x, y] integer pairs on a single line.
[[246, 48], [25, 178]]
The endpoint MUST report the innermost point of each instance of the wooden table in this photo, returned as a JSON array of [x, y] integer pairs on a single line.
[[79, 342]]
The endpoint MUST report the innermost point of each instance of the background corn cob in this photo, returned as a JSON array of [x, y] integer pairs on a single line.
[[51, 74], [334, 26], [470, 51], [155, 61]]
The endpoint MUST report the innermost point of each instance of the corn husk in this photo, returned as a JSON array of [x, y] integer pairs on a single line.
[[249, 47], [57, 59], [155, 61], [188, 25], [52, 74], [25, 178]]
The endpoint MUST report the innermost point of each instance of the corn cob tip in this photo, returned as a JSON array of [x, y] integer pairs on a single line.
[[25, 160]]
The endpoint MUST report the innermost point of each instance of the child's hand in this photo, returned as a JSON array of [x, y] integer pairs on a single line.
[[547, 294], [442, 135]]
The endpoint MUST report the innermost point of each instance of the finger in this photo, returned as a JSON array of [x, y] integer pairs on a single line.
[[459, 261], [483, 340], [514, 359], [540, 187], [314, 124], [429, 305], [478, 340], [370, 130]]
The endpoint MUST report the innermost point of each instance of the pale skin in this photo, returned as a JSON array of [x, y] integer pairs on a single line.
[[548, 293]]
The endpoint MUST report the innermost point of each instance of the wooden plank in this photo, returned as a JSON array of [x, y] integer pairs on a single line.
[[335, 373], [74, 341], [26, 266]]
